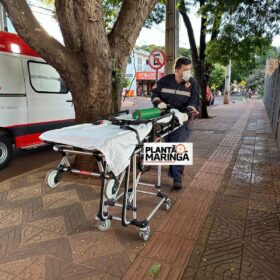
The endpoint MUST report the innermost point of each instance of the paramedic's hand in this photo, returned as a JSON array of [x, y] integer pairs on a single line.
[[162, 105], [193, 112]]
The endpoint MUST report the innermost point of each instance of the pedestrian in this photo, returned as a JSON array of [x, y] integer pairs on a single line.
[[179, 91]]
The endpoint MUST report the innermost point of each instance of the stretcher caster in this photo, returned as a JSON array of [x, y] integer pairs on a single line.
[[104, 225], [167, 204], [144, 233], [111, 189], [52, 178]]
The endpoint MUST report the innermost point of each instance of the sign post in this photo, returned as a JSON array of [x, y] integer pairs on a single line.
[[156, 60]]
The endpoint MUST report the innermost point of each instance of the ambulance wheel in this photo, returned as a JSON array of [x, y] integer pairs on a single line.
[[144, 233], [51, 178], [104, 225], [6, 151], [167, 204]]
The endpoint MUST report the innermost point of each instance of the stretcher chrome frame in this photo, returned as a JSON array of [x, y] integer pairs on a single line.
[[129, 194]]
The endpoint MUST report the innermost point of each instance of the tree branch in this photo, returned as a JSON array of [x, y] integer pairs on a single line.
[[188, 24], [216, 27], [131, 18], [92, 31], [68, 23], [202, 42], [32, 33]]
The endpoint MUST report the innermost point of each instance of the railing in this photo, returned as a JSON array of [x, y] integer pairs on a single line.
[[272, 95]]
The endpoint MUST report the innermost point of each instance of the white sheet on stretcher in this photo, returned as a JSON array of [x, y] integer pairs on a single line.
[[115, 143]]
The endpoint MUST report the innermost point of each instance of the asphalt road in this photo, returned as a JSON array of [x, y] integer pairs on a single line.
[[24, 161]]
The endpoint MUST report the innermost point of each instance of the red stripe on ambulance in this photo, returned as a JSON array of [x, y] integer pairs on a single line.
[[27, 140], [12, 43]]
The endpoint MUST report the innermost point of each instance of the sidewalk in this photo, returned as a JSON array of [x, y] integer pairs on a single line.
[[223, 225]]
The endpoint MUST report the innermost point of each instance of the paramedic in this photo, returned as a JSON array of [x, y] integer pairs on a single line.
[[179, 91]]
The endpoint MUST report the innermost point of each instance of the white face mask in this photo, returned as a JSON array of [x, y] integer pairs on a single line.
[[186, 75]]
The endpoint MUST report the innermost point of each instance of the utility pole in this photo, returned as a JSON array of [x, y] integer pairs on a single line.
[[171, 35], [227, 83], [3, 19]]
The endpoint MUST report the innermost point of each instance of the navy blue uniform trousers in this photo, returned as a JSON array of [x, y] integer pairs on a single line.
[[180, 135]]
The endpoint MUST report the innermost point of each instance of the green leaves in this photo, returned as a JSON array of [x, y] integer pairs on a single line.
[[217, 76], [156, 16]]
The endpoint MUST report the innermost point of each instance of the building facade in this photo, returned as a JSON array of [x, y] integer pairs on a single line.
[[141, 76]]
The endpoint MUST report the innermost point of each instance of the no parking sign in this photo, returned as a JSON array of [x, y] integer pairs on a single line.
[[156, 59]]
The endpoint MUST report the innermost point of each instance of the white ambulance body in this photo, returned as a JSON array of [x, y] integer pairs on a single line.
[[33, 97]]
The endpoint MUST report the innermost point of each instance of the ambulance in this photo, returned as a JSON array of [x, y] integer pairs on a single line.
[[33, 97]]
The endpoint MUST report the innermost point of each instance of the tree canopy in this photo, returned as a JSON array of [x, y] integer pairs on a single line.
[[217, 77], [238, 30]]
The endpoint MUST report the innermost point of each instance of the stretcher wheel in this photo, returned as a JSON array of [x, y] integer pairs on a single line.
[[144, 233], [167, 204], [111, 189], [104, 225], [51, 179]]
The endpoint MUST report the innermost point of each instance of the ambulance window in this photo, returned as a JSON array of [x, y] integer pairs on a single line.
[[45, 79]]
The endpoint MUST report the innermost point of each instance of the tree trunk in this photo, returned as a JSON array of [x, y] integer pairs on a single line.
[[202, 78], [227, 83], [94, 98], [198, 61]]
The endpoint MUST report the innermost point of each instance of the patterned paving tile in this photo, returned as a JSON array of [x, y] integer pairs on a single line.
[[24, 193], [65, 270], [43, 230], [225, 229], [90, 209], [5, 186], [260, 221], [262, 202], [228, 269], [10, 217], [27, 268], [9, 240], [60, 199], [89, 245]]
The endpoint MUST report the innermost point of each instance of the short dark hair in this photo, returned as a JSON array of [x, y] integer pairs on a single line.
[[182, 61]]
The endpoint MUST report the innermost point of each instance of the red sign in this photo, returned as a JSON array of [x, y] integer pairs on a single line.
[[151, 76], [156, 59]]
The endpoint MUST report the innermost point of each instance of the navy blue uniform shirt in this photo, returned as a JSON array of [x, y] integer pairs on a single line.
[[177, 95]]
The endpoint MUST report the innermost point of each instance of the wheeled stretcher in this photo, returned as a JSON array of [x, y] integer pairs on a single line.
[[116, 142]]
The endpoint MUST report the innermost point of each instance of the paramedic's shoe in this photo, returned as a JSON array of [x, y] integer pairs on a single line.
[[177, 185]]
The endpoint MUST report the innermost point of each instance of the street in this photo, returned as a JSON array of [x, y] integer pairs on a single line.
[[24, 161]]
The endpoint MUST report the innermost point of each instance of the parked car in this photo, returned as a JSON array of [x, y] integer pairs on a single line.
[[210, 98]]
